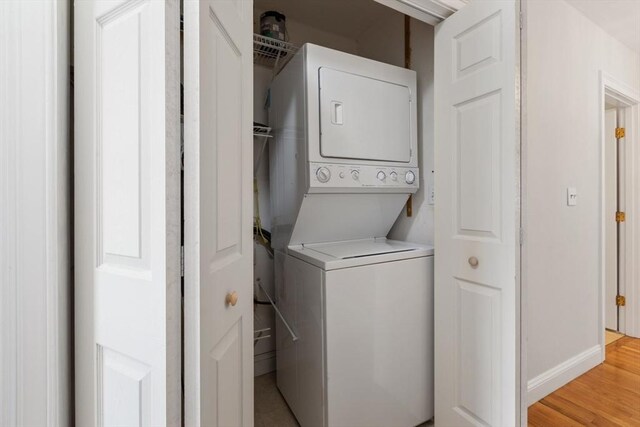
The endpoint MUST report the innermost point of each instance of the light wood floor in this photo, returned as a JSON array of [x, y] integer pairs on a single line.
[[607, 395], [611, 336]]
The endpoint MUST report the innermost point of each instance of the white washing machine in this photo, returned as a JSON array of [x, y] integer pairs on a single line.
[[362, 315], [354, 340]]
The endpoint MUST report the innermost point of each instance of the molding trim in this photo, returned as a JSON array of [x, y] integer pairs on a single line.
[[9, 131], [35, 375], [430, 11], [556, 377], [264, 363]]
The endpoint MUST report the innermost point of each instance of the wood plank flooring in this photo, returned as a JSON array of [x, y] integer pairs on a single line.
[[607, 395]]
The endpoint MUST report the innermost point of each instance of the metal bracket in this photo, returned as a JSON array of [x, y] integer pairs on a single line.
[[294, 337]]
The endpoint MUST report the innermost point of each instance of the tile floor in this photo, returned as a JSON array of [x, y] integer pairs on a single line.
[[271, 410]]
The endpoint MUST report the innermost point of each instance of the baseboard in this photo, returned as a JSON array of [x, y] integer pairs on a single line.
[[264, 363], [551, 380]]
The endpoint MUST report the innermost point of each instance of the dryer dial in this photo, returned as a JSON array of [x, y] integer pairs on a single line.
[[323, 174], [410, 177]]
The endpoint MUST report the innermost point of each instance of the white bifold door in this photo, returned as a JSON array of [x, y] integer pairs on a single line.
[[218, 67], [127, 210], [477, 324], [127, 213]]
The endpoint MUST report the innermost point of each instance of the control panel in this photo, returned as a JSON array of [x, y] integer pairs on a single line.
[[340, 176]]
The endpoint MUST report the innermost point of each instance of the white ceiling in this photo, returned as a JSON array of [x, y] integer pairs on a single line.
[[620, 18], [348, 18]]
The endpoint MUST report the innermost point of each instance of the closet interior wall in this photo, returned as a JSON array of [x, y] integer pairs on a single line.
[[383, 40]]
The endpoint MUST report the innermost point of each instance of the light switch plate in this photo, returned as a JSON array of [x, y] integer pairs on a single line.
[[572, 196]]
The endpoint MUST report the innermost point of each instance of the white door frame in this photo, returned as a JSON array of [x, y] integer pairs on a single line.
[[416, 6], [629, 99]]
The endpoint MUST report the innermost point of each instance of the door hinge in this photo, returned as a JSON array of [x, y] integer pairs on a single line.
[[620, 216], [181, 261], [619, 133], [621, 301], [521, 19]]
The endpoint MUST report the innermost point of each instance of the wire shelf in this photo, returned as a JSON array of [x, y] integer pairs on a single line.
[[271, 52], [262, 131]]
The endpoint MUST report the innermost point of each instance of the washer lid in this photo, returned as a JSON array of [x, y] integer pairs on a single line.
[[330, 256]]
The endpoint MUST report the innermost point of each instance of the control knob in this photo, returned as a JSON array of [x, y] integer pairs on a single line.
[[381, 175], [394, 175], [323, 174], [355, 175], [410, 177]]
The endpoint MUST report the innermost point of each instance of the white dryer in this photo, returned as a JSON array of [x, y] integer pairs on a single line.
[[362, 315], [344, 157]]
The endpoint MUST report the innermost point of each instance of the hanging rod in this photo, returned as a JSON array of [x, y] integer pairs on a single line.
[[294, 337]]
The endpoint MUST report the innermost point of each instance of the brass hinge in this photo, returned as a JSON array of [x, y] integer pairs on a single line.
[[621, 301], [619, 133], [181, 261], [620, 216]]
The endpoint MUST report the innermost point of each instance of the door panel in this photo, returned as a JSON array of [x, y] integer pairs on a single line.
[[360, 115], [476, 291], [611, 227], [218, 67], [478, 162], [127, 212]]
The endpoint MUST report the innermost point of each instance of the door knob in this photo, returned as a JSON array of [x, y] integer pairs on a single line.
[[232, 298], [473, 262]]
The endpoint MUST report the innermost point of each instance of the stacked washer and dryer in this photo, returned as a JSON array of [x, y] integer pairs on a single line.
[[355, 338]]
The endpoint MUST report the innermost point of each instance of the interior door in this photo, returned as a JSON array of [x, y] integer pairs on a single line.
[[611, 226], [477, 141], [621, 173], [218, 67], [127, 213]]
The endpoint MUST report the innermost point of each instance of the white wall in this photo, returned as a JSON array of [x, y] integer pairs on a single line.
[[384, 41], [35, 287], [300, 33], [561, 263], [419, 228]]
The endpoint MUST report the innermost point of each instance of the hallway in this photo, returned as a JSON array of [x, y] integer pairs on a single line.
[[609, 394]]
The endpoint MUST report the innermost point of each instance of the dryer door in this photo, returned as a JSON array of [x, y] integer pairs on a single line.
[[363, 118]]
